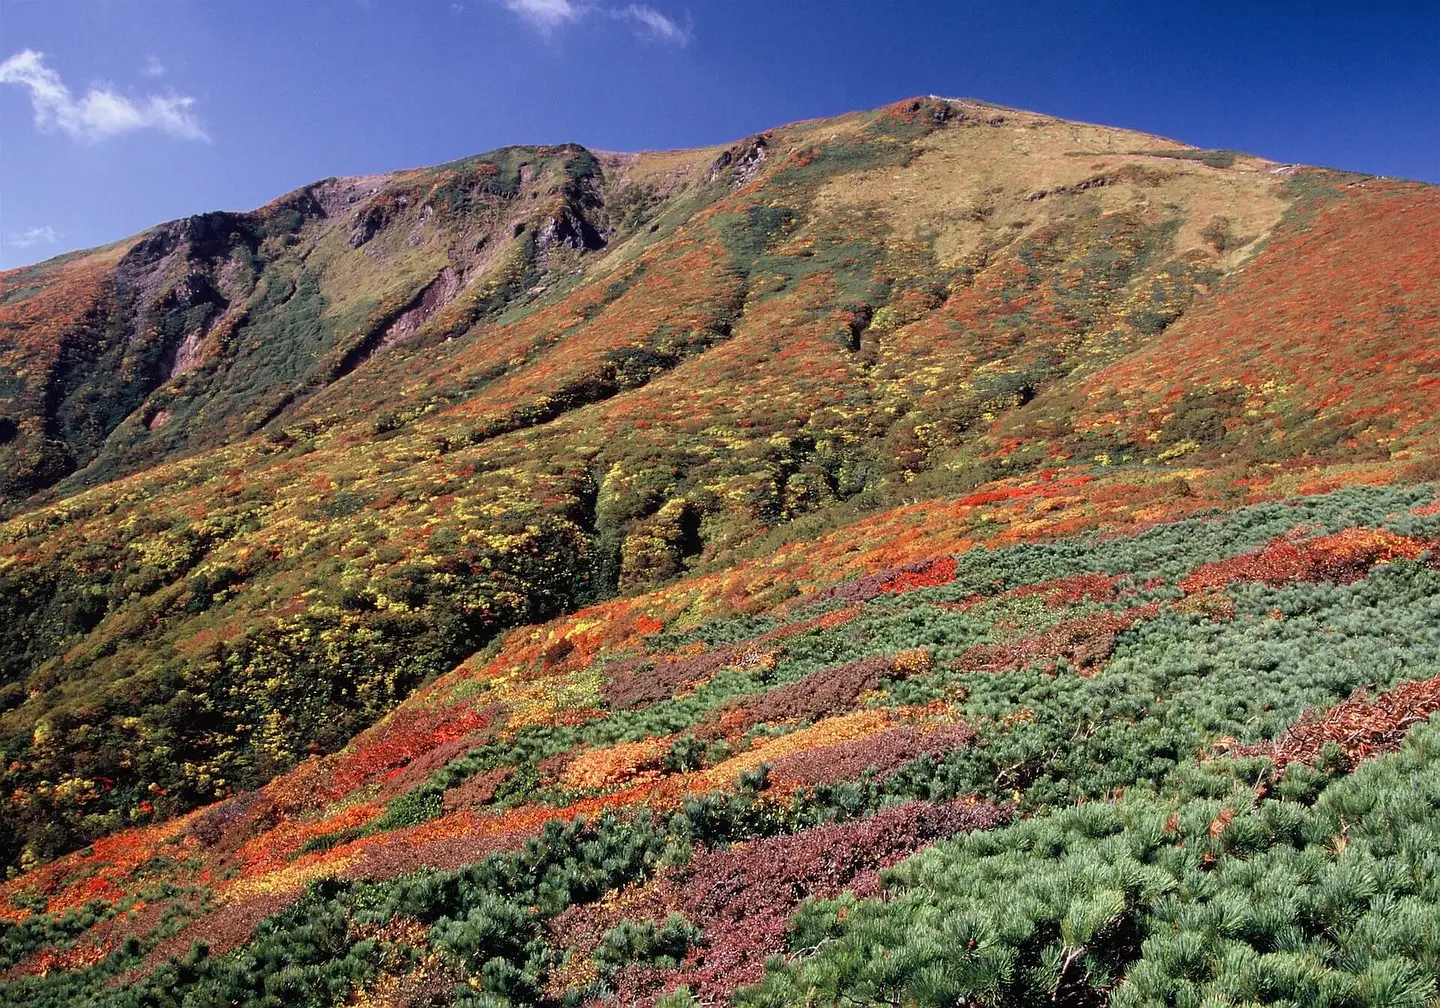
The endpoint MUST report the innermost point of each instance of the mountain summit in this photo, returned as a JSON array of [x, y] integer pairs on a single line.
[[533, 576]]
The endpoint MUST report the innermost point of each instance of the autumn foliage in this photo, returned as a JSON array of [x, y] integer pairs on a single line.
[[542, 577]]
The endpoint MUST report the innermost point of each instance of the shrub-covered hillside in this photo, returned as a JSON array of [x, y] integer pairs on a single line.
[[1189, 739], [561, 577]]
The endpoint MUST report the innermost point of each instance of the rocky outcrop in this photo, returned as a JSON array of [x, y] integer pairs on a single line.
[[740, 163], [437, 294], [568, 228]]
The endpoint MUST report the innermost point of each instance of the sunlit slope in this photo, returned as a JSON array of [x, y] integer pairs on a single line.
[[536, 378], [1327, 346], [213, 326], [641, 795], [45, 310]]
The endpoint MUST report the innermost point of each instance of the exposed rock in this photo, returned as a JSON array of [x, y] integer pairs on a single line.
[[440, 292], [741, 162], [568, 229], [337, 195], [187, 354], [1138, 174], [368, 221], [1070, 190]]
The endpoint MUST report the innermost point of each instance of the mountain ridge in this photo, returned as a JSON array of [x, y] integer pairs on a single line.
[[327, 197]]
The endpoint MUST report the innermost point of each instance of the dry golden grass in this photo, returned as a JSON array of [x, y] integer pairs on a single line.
[[974, 188]]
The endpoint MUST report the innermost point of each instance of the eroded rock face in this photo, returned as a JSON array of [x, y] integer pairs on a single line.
[[202, 250], [337, 196], [741, 162], [568, 229], [368, 221], [437, 295]]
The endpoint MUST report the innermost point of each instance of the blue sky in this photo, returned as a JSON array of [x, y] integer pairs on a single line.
[[119, 114]]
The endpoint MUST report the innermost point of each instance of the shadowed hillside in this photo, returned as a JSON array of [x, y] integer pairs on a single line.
[[864, 483]]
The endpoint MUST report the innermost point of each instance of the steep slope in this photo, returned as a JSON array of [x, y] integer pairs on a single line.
[[201, 331], [482, 395]]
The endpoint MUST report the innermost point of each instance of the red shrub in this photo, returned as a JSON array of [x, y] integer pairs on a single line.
[[223, 929], [743, 897], [478, 790], [1067, 591], [402, 737], [883, 753], [830, 620], [1084, 642], [826, 691], [930, 574], [919, 574], [631, 686], [1345, 556], [1361, 726]]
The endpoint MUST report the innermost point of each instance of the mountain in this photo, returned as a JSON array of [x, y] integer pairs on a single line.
[[540, 576]]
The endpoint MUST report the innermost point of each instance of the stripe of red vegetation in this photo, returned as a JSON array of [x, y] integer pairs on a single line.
[[743, 897], [1363, 727], [1343, 557], [929, 573], [1084, 643], [880, 754], [934, 573]]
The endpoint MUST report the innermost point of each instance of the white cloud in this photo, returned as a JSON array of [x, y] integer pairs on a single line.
[[547, 15], [153, 67], [654, 25], [100, 112], [33, 236]]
